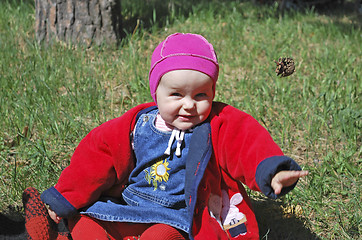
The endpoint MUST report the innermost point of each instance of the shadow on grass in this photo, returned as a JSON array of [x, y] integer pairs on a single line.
[[274, 223], [161, 12], [12, 225]]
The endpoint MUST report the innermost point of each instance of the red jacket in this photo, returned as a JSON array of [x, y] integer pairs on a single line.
[[243, 152]]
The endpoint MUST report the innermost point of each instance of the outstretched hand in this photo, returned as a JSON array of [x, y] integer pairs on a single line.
[[286, 179]]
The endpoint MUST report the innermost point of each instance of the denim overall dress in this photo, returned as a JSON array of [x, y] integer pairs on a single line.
[[156, 190]]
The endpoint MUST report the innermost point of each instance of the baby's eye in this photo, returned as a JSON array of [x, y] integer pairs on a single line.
[[176, 94], [201, 95]]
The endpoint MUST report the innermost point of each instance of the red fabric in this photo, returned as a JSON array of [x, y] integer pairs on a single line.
[[84, 228], [103, 161], [240, 143], [161, 232], [38, 224]]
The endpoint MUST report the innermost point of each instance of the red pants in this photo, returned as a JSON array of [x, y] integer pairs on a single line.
[[84, 227]]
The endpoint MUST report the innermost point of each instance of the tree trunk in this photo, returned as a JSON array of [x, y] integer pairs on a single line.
[[78, 21]]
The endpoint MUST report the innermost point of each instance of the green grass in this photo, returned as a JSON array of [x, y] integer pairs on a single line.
[[62, 92]]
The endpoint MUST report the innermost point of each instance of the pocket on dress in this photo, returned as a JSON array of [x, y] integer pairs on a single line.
[[145, 198], [129, 201]]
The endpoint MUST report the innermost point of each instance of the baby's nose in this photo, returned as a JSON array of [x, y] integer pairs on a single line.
[[189, 103]]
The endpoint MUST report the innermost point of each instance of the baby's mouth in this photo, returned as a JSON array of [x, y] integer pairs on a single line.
[[185, 117]]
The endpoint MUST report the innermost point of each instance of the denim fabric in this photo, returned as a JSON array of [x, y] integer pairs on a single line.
[[197, 160], [156, 190]]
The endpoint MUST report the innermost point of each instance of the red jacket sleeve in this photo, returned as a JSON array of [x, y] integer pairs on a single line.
[[102, 160], [240, 143]]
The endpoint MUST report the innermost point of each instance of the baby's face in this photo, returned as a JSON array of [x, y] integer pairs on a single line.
[[184, 98]]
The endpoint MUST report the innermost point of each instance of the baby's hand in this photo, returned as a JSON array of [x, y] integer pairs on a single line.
[[54, 216], [286, 179]]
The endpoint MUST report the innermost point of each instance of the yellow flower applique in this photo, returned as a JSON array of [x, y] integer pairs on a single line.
[[159, 173]]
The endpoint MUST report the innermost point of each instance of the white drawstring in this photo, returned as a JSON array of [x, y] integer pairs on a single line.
[[179, 139], [179, 135], [170, 141]]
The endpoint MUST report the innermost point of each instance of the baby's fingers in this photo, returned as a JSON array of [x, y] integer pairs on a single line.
[[277, 187], [54, 216], [303, 173], [286, 179], [288, 176]]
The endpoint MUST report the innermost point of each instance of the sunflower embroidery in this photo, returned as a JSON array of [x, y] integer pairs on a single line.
[[158, 173]]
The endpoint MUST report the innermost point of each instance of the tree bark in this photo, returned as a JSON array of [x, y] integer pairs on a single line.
[[84, 22]]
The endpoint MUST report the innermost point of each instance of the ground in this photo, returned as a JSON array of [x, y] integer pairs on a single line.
[[275, 222]]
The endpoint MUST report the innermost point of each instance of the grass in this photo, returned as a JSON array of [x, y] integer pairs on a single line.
[[62, 92]]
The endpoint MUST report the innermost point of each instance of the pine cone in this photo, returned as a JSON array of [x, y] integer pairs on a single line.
[[285, 67]]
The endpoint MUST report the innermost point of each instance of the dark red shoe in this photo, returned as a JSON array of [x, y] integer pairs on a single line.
[[38, 223]]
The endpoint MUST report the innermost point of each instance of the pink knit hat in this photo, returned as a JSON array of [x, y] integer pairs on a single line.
[[182, 51]]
